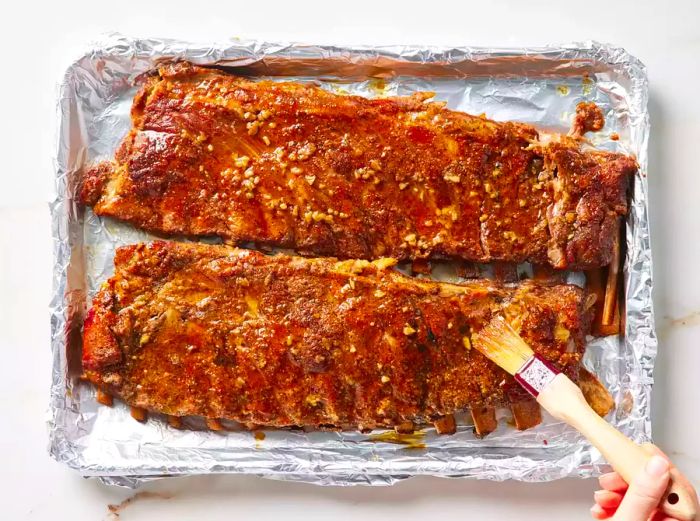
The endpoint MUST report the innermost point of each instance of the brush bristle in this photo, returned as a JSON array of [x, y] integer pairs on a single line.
[[499, 342]]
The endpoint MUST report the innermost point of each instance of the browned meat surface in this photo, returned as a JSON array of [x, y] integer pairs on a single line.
[[188, 329], [589, 118], [292, 165]]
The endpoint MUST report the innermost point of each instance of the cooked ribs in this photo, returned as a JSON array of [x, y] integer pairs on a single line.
[[219, 332], [295, 166]]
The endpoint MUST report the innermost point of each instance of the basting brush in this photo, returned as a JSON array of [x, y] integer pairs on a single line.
[[554, 391]]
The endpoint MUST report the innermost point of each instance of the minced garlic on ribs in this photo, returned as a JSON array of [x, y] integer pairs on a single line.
[[295, 166], [190, 329]]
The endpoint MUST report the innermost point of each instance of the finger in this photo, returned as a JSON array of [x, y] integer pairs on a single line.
[[598, 512], [607, 499], [645, 491], [613, 481], [679, 479], [660, 516]]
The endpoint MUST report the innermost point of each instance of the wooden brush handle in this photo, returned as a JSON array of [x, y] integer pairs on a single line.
[[564, 400]]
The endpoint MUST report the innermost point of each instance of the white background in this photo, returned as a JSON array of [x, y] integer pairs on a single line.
[[37, 41]]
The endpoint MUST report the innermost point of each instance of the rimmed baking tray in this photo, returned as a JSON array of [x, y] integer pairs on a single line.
[[535, 85]]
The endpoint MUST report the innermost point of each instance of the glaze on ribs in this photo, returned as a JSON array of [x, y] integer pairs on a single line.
[[191, 329], [292, 165]]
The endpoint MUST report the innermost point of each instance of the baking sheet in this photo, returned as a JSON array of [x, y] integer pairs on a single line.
[[535, 85]]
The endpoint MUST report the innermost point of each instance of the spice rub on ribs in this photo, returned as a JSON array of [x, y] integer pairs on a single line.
[[225, 333], [292, 165]]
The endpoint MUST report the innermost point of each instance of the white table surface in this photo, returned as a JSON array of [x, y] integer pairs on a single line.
[[38, 40]]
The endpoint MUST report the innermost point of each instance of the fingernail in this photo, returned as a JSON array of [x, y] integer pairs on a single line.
[[656, 467], [598, 494]]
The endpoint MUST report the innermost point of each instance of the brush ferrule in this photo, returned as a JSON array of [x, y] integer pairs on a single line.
[[535, 375]]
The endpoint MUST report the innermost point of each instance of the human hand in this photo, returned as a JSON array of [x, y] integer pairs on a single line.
[[637, 501]]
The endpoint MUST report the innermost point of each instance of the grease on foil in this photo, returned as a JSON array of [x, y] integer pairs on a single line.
[[94, 103]]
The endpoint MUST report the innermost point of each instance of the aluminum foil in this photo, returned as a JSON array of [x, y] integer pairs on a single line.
[[535, 85]]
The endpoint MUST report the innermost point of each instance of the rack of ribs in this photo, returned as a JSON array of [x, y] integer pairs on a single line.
[[291, 165], [224, 333]]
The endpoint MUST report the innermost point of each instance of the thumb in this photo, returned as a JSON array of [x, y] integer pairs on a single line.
[[645, 491]]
